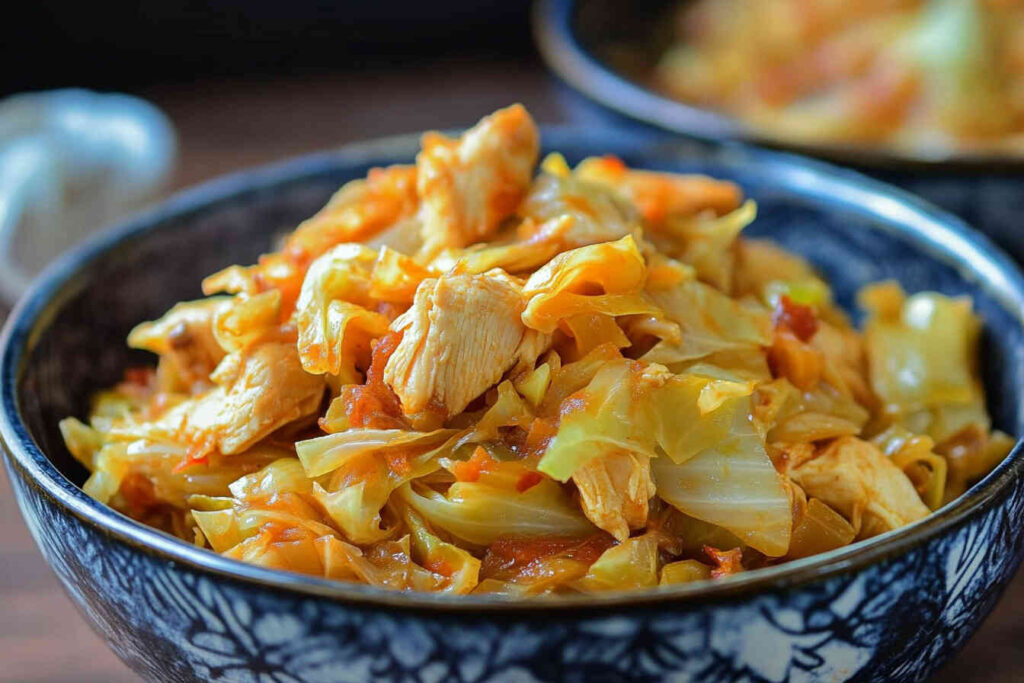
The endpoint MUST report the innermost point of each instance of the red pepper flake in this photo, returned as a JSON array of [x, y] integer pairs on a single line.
[[527, 481], [799, 318], [727, 562]]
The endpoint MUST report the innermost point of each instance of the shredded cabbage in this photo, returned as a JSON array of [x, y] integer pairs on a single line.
[[481, 513], [733, 485], [460, 378]]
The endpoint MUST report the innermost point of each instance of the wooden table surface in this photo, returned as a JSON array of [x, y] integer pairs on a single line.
[[224, 126]]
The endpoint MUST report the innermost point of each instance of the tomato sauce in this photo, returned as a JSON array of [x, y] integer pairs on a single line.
[[515, 555], [374, 405]]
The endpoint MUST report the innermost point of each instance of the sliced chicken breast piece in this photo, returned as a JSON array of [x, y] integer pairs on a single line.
[[462, 333], [470, 185]]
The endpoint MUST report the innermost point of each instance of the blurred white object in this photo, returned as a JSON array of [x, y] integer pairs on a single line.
[[72, 161]]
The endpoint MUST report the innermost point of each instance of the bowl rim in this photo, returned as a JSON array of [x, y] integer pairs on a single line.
[[554, 31], [931, 229]]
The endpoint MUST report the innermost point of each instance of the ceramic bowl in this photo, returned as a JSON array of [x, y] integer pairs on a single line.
[[71, 161], [579, 39], [894, 608]]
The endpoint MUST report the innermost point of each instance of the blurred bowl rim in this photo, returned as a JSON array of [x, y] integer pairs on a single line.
[[554, 30], [931, 229]]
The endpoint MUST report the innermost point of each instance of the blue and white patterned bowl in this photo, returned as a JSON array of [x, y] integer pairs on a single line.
[[894, 608]]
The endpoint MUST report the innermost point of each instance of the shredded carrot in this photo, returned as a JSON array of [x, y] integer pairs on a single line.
[[797, 361], [470, 470]]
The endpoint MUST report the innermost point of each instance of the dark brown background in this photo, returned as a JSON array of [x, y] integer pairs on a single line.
[[224, 126]]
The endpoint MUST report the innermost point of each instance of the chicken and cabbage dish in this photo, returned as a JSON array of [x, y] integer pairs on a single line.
[[920, 75], [471, 376]]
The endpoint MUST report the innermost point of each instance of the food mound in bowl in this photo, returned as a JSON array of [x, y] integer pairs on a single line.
[[461, 376], [921, 75]]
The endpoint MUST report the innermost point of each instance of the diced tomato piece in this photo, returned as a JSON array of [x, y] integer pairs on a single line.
[[440, 567], [470, 470], [799, 318], [528, 480], [727, 562]]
